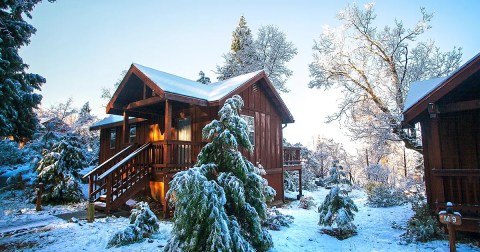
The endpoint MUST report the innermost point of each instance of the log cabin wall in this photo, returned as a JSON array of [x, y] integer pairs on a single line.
[[268, 135]]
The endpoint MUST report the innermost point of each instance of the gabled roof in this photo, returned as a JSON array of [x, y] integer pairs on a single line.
[[172, 87], [422, 93]]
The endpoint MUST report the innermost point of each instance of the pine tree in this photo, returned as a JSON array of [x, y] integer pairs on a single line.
[[58, 171], [221, 202], [337, 207], [203, 79], [269, 52], [17, 87]]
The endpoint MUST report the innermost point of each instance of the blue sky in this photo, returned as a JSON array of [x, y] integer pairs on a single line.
[[81, 46]]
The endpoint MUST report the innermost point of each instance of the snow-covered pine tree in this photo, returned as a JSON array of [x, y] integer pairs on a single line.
[[143, 223], [202, 78], [337, 207], [58, 171], [17, 87], [221, 202], [270, 52]]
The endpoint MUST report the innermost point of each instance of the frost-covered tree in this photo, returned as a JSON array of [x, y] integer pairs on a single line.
[[270, 52], [143, 223], [373, 67], [17, 86], [338, 207], [202, 78], [107, 93], [220, 203], [58, 171]]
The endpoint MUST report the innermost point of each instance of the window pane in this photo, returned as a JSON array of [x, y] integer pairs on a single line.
[[251, 127], [133, 133], [113, 137]]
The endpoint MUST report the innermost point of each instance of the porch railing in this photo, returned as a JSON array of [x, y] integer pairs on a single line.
[[174, 155], [291, 156], [461, 186]]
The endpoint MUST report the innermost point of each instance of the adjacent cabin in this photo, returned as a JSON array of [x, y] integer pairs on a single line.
[[448, 112], [155, 130]]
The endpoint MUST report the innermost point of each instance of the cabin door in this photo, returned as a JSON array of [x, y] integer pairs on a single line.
[[184, 134]]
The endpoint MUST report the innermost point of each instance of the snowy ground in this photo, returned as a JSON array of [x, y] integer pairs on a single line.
[[22, 228]]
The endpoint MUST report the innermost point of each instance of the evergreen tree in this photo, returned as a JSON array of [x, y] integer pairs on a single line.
[[203, 79], [337, 207], [269, 52], [58, 171], [221, 202], [17, 87]]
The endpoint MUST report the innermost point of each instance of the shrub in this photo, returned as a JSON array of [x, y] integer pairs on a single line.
[[422, 227], [275, 219], [306, 202], [58, 171], [143, 223], [10, 153], [384, 195]]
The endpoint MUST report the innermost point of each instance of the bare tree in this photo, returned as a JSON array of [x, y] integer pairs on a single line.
[[373, 67]]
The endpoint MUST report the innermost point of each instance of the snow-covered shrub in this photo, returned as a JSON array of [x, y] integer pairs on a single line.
[[384, 195], [143, 223], [338, 207], [16, 182], [290, 181], [10, 153], [58, 171], [422, 227], [306, 202], [275, 219], [221, 202], [377, 173]]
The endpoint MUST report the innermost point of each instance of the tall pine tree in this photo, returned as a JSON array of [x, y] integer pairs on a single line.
[[338, 208], [221, 202], [269, 52], [17, 87]]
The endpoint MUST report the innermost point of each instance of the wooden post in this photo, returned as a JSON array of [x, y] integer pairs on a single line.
[[168, 130], [299, 184], [91, 210], [452, 219], [126, 131], [39, 197]]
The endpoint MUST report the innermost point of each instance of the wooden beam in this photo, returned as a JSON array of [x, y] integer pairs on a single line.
[[125, 127], [168, 130], [459, 106], [186, 99], [145, 102]]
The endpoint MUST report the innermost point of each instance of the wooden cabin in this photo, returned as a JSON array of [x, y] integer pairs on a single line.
[[156, 130], [448, 112]]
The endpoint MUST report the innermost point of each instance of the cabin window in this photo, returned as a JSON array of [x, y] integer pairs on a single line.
[[185, 129], [113, 137], [133, 133], [251, 127]]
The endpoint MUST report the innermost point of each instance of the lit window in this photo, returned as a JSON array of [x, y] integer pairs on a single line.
[[113, 137], [133, 133], [251, 127]]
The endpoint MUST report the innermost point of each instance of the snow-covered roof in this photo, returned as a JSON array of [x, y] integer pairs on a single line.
[[178, 85], [108, 121], [420, 89]]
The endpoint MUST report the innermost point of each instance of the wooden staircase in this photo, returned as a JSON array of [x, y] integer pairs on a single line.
[[114, 181]]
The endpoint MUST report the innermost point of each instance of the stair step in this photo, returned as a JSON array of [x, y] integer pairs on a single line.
[[100, 205]]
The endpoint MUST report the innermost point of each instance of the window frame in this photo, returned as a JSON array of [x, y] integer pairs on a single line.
[[132, 138], [250, 120], [113, 138]]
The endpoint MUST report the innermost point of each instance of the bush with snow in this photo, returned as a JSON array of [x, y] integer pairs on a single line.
[[422, 227], [384, 195], [306, 202], [143, 223], [10, 153], [275, 219], [338, 207], [220, 203], [58, 171]]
